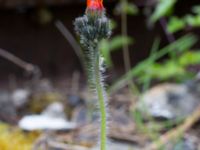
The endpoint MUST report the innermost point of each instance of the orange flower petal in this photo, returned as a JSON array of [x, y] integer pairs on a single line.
[[95, 4]]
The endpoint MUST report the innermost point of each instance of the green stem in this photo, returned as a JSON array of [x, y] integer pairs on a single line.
[[102, 100], [126, 53]]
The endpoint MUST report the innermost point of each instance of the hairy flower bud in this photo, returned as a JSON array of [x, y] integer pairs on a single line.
[[92, 28]]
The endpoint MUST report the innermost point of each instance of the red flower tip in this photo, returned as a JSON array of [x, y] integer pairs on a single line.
[[95, 4]]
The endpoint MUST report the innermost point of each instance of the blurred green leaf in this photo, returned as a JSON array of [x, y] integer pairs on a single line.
[[130, 9], [169, 69], [107, 46], [189, 58], [105, 51], [180, 45], [164, 71], [196, 9], [126, 7], [163, 8], [175, 24], [193, 21], [118, 41], [154, 49], [112, 24]]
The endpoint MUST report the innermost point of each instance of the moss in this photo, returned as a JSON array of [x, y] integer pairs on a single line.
[[40, 101], [12, 138]]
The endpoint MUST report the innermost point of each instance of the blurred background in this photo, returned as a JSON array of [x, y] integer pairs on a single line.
[[152, 77], [28, 30]]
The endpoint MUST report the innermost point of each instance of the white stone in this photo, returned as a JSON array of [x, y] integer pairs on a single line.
[[43, 122]]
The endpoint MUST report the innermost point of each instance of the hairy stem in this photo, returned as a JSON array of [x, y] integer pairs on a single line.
[[91, 28], [102, 101]]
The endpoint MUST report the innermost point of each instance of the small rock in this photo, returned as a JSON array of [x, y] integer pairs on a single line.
[[55, 109], [169, 101], [184, 145], [44, 85], [20, 97], [118, 146], [188, 142], [74, 100], [52, 118], [8, 111], [80, 115]]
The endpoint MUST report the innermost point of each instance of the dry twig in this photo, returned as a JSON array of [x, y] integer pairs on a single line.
[[19, 62], [63, 146], [176, 132], [72, 41]]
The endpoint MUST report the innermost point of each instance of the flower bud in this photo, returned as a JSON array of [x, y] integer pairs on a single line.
[[95, 8], [95, 5]]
